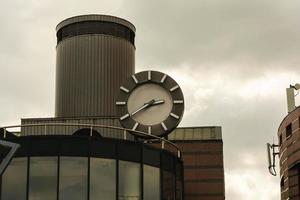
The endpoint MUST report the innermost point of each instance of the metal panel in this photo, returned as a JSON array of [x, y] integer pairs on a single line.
[[90, 69]]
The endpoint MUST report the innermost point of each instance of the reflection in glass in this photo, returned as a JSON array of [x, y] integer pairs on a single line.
[[14, 180], [168, 185], [151, 183], [102, 179], [43, 178], [73, 178], [129, 180]]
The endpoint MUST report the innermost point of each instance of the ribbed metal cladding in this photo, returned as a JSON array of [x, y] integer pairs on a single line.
[[90, 69]]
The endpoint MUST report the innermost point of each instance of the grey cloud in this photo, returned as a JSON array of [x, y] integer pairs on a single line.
[[261, 33]]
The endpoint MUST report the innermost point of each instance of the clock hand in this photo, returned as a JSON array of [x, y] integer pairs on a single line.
[[147, 104], [157, 102]]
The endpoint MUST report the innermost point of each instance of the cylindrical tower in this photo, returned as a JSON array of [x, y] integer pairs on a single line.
[[95, 54]]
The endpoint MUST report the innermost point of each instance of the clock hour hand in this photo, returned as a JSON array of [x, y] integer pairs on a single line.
[[157, 102], [147, 104]]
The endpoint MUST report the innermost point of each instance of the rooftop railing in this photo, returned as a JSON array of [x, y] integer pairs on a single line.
[[144, 136]]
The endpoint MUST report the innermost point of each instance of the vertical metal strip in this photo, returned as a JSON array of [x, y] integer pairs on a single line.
[[88, 178], [58, 174], [182, 181], [117, 171], [176, 172], [28, 175], [161, 177], [0, 187], [117, 179], [142, 172]]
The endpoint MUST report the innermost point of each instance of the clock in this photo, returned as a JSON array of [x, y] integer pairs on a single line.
[[151, 102]]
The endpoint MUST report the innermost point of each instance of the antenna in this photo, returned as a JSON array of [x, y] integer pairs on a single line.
[[271, 158], [291, 96]]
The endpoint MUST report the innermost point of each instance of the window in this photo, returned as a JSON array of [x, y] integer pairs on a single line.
[[129, 181], [280, 139], [43, 178], [103, 179], [282, 182], [151, 183], [14, 180], [73, 178], [288, 130]]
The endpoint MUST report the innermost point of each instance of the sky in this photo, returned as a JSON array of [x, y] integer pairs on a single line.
[[232, 58]]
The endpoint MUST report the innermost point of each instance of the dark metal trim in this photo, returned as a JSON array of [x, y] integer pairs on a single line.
[[95, 27], [88, 177], [58, 173], [117, 179], [28, 175], [7, 159], [142, 175]]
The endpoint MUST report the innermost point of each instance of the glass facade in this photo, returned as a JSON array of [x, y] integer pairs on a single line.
[[102, 179], [14, 180], [129, 180], [151, 182], [83, 178], [43, 178], [73, 178], [90, 168]]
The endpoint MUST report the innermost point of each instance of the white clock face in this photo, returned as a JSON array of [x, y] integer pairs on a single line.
[[150, 102], [154, 113]]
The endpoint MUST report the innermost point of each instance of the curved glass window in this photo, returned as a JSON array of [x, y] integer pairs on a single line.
[[73, 178], [129, 180], [102, 179], [43, 178], [14, 180], [151, 183]]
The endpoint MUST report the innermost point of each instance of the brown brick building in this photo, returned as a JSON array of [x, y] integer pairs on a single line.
[[202, 153], [289, 155]]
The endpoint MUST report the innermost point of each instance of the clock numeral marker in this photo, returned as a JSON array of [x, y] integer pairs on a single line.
[[124, 116], [149, 130], [174, 115], [134, 78], [164, 126], [135, 126], [163, 78], [124, 89], [178, 101], [174, 88], [149, 75], [120, 103]]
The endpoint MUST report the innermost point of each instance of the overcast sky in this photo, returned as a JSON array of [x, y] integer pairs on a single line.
[[232, 58]]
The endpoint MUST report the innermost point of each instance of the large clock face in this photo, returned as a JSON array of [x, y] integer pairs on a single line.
[[150, 102]]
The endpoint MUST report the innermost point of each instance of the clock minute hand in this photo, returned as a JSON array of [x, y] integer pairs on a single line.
[[147, 104]]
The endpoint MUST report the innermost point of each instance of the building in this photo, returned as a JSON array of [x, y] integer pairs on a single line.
[[84, 153], [289, 155], [202, 155]]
